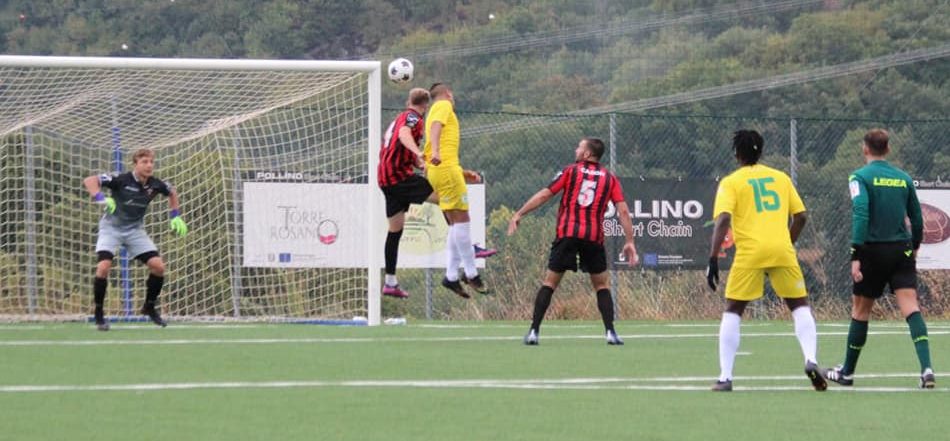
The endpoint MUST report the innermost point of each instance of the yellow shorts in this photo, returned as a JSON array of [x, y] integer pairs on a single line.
[[748, 283], [449, 183]]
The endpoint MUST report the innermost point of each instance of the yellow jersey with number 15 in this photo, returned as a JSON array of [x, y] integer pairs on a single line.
[[760, 200], [443, 112]]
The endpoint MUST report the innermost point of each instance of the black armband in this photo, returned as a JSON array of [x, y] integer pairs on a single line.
[[856, 251]]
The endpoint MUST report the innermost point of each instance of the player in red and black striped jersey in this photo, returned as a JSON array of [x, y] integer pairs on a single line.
[[399, 156], [586, 188]]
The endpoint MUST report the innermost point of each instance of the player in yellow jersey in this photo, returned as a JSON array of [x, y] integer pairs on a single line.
[[444, 172], [757, 201]]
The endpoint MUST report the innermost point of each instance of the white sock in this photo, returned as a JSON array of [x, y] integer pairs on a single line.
[[728, 344], [463, 242], [806, 332], [452, 259], [391, 280]]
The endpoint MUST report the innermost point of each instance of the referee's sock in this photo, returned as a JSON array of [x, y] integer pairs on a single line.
[[857, 336], [918, 332], [153, 287]]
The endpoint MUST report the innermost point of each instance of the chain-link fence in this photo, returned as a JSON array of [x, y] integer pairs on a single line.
[[520, 153]]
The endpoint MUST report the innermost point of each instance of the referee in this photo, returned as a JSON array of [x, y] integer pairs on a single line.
[[883, 253]]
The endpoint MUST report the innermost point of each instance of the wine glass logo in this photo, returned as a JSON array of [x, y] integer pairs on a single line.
[[328, 231]]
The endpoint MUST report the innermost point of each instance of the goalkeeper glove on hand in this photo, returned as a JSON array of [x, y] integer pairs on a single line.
[[102, 199], [177, 224], [712, 272]]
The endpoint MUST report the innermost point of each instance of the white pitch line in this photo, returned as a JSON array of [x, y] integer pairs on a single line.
[[645, 384], [315, 340]]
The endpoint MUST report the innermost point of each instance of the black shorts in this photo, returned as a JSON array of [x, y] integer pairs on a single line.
[[566, 251], [886, 263], [413, 190]]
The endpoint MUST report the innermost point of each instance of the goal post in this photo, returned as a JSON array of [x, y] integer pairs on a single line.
[[274, 161]]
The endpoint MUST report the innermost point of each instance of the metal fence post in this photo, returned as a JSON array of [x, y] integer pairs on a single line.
[[428, 293], [613, 167], [793, 150]]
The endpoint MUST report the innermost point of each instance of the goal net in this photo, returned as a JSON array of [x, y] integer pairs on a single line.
[[273, 162]]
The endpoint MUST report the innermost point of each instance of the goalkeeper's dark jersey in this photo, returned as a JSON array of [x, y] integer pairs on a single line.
[[131, 196], [882, 197]]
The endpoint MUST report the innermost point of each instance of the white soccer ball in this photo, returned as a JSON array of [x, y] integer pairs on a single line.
[[400, 70]]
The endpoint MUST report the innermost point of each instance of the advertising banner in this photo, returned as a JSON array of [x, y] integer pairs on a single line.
[[301, 225], [934, 198], [672, 224], [424, 234]]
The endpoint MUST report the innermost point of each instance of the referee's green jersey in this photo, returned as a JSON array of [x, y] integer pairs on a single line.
[[882, 197]]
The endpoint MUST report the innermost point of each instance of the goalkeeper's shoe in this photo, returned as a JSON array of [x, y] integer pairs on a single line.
[[153, 315], [927, 380], [815, 375], [394, 291], [481, 253], [101, 323], [456, 287], [613, 339], [476, 283], [722, 386], [532, 338], [837, 375]]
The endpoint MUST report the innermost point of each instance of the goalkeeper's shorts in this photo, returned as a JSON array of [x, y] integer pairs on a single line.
[[748, 284], [449, 183], [134, 239]]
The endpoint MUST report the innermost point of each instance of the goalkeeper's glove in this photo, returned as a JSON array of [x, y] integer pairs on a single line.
[[712, 272], [177, 224], [102, 199]]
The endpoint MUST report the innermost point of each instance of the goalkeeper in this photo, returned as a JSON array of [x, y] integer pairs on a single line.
[[122, 225]]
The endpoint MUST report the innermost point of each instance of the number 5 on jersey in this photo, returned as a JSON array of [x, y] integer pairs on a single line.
[[585, 197], [765, 198]]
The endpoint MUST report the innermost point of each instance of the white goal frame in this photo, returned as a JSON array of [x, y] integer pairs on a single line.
[[373, 210]]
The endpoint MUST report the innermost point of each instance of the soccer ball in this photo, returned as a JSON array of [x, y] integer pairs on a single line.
[[400, 70]]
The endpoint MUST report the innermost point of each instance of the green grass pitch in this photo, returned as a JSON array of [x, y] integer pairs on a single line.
[[455, 381]]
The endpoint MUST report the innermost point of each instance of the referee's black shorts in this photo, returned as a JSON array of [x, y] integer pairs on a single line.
[[567, 251], [413, 190], [886, 263]]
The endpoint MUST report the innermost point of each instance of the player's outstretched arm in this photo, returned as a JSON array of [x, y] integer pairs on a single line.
[[95, 190], [723, 223], [176, 223], [629, 249], [539, 199]]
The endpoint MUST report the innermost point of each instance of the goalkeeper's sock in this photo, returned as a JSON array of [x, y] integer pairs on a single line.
[[463, 243], [918, 332], [392, 252], [606, 306], [541, 303], [99, 286], [806, 332], [728, 344], [153, 287], [452, 257], [857, 336]]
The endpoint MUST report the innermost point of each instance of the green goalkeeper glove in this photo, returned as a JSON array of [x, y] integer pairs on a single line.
[[177, 224], [102, 199]]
